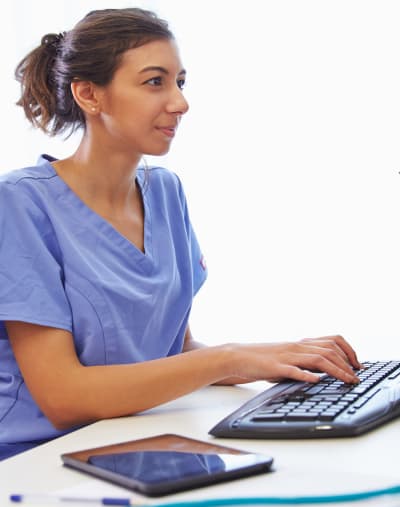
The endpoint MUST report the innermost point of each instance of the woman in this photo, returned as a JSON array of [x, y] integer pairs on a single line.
[[99, 261]]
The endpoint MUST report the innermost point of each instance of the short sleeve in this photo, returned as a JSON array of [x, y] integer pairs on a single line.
[[31, 275], [199, 268], [198, 261]]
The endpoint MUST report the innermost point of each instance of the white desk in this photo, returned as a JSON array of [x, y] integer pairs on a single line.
[[302, 467]]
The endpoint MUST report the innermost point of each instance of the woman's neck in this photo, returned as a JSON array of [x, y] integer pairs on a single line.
[[104, 180]]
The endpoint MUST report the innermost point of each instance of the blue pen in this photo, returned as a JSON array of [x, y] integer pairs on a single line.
[[32, 498]]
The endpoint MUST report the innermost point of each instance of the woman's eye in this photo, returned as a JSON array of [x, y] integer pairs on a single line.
[[155, 81], [181, 84], [158, 81]]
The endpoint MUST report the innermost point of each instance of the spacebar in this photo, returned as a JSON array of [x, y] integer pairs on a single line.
[[268, 418], [285, 417]]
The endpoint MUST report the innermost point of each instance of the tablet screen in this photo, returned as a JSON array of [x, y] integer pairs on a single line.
[[165, 466]]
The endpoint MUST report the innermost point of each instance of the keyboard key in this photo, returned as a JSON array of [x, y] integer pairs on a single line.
[[362, 401], [360, 389], [326, 417], [314, 390], [271, 406], [301, 416], [267, 418]]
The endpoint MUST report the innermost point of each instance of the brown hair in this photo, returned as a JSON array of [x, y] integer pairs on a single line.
[[91, 51]]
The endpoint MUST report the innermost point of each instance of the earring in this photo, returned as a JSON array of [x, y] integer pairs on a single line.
[[93, 109]]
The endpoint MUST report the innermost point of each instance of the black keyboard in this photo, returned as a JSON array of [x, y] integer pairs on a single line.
[[329, 408]]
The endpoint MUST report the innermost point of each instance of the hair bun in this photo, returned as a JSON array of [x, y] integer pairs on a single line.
[[53, 40]]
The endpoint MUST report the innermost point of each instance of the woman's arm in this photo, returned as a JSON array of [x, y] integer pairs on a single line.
[[70, 394]]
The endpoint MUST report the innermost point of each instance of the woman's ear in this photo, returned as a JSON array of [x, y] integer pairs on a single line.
[[86, 96]]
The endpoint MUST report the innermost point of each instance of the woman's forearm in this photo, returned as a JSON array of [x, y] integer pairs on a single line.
[[96, 392]]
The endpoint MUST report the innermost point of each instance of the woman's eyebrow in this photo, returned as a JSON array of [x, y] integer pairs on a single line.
[[163, 70]]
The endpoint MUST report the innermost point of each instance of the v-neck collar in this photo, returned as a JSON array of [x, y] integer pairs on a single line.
[[90, 216]]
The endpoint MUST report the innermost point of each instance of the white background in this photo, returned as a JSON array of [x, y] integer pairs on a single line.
[[289, 157]]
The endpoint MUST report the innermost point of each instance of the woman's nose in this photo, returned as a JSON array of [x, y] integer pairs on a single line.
[[178, 103]]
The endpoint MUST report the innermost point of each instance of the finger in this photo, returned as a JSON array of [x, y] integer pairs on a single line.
[[340, 345], [330, 344], [286, 371], [321, 363], [329, 350], [348, 349]]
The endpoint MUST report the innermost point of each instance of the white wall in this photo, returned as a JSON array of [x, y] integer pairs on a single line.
[[289, 156]]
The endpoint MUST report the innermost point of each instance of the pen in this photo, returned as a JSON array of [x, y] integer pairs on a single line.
[[32, 498]]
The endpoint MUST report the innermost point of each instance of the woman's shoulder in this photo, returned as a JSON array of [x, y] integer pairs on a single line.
[[160, 179], [25, 188], [163, 186], [42, 170], [158, 173]]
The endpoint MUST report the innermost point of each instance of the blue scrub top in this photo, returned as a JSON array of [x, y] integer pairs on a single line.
[[64, 266]]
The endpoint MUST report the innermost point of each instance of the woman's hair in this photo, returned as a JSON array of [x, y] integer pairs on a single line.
[[91, 51]]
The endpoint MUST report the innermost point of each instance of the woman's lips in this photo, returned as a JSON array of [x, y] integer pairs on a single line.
[[168, 131]]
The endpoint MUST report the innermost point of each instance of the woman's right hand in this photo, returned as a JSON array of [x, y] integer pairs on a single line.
[[293, 360]]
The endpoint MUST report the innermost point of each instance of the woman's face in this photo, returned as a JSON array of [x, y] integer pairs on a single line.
[[142, 106]]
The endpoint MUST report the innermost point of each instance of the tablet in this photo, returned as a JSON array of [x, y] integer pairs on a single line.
[[166, 464]]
